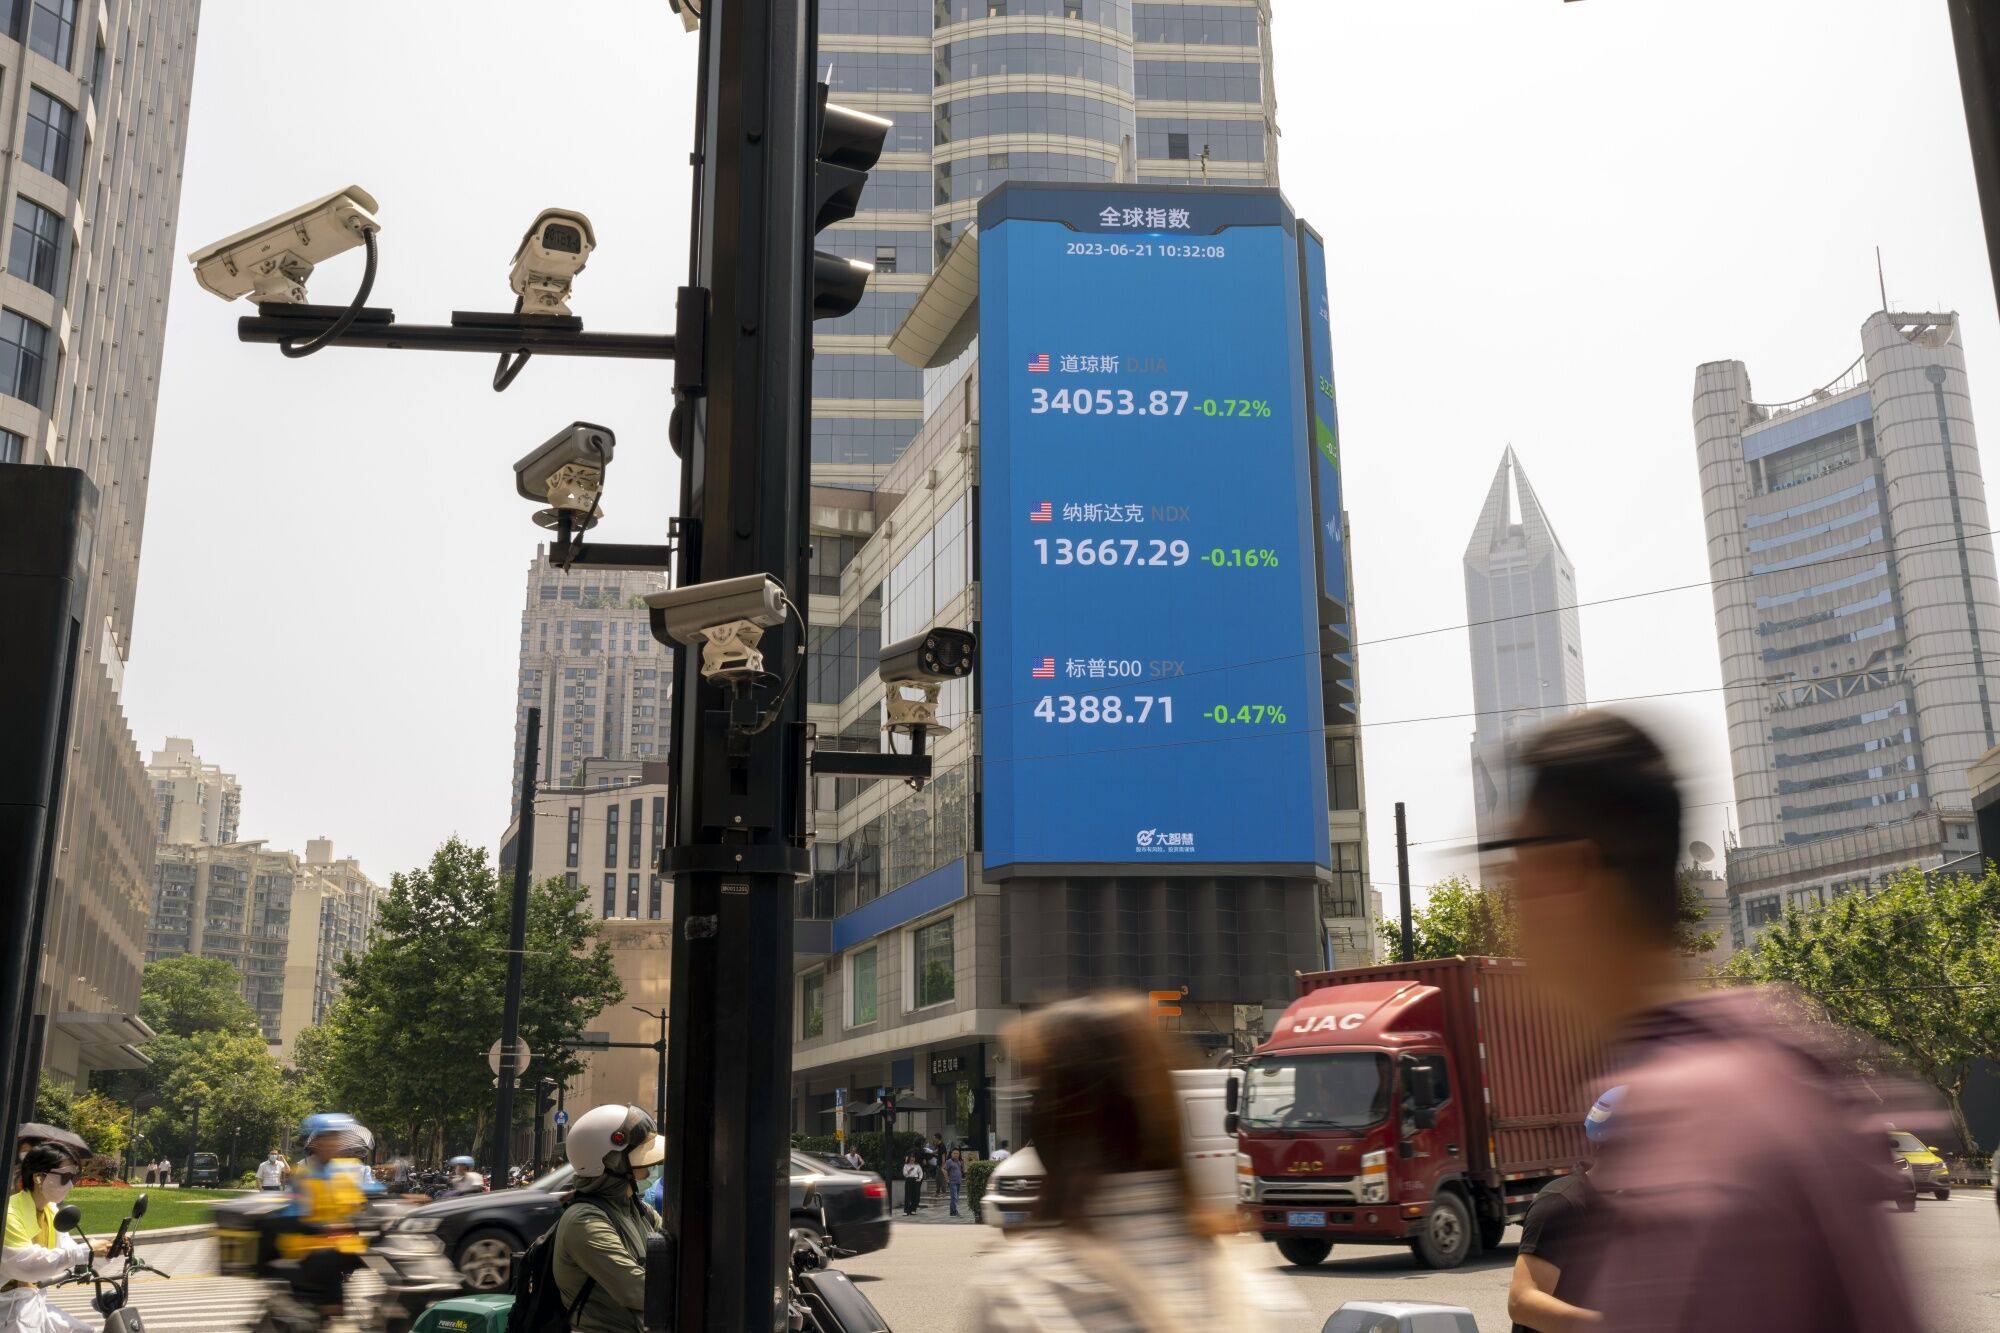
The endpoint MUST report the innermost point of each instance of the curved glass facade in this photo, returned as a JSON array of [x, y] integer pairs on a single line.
[[968, 178], [1058, 54], [1077, 116], [1109, 13]]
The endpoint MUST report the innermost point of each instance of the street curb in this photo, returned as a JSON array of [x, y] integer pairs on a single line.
[[164, 1234]]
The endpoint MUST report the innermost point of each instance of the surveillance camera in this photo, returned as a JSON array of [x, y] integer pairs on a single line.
[[567, 474], [552, 253], [272, 260], [928, 658], [727, 618]]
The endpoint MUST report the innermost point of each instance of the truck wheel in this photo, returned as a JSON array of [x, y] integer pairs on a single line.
[[1941, 1193], [1491, 1229], [1446, 1239], [1305, 1251]]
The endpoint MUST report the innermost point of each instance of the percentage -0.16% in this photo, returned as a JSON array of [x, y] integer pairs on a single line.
[[1241, 557], [1247, 715]]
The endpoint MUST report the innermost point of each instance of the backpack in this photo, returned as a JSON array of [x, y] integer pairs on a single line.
[[538, 1301]]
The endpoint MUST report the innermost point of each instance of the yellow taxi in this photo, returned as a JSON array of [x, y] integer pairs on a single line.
[[1926, 1167]]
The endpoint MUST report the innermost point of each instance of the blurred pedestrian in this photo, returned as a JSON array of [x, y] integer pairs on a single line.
[[271, 1171], [954, 1177], [1124, 1243], [913, 1184], [152, 1173], [166, 1171], [1001, 1153], [1741, 1189]]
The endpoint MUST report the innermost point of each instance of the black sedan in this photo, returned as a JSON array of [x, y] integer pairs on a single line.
[[483, 1232]]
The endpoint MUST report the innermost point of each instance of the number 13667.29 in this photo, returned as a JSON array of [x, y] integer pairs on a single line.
[[1150, 551]]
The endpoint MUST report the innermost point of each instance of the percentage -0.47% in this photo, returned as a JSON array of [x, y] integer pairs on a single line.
[[1247, 715]]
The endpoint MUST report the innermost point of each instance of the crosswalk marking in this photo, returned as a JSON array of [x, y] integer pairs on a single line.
[[204, 1304]]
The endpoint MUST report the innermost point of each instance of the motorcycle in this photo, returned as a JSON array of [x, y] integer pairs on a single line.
[[110, 1291], [824, 1299], [305, 1295]]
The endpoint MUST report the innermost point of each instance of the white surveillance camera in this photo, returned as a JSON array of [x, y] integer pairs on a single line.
[[552, 253], [931, 657], [914, 670], [727, 618], [272, 260], [567, 474]]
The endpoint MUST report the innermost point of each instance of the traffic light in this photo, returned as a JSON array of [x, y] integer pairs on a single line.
[[1165, 1003], [846, 145], [545, 1098]]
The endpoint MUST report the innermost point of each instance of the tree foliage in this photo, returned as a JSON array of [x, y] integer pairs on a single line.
[[1458, 918], [404, 1048], [1911, 967], [101, 1122], [1461, 918]]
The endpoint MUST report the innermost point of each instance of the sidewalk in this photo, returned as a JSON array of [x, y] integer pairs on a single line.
[[935, 1211]]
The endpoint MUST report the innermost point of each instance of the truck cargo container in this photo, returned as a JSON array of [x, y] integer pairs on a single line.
[[1412, 1103]]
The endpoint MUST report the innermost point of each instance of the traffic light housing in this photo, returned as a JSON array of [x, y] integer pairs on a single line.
[[545, 1097], [846, 145]]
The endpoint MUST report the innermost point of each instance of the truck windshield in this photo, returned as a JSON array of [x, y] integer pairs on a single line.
[[1349, 1090]]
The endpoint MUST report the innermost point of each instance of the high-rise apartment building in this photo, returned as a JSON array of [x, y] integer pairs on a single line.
[[1857, 614], [910, 958], [589, 660], [97, 103], [195, 802], [1527, 642], [282, 923]]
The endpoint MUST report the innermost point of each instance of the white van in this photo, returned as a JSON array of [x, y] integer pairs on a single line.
[[1211, 1153]]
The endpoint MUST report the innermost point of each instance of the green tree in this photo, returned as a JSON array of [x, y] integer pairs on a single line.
[[1461, 918], [1458, 918], [1911, 967], [187, 996], [405, 1046]]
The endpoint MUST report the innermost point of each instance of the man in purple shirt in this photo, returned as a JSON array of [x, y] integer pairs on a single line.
[[1740, 1191]]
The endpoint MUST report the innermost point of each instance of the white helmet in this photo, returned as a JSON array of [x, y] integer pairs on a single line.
[[605, 1132]]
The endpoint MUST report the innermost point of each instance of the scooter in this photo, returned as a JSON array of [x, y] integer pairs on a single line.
[[111, 1291], [824, 1299]]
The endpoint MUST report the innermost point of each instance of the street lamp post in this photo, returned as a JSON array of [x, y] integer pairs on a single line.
[[660, 1084]]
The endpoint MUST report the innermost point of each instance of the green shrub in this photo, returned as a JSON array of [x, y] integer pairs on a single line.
[[976, 1173]]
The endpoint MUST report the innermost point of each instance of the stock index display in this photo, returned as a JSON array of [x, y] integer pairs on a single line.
[[1148, 557]]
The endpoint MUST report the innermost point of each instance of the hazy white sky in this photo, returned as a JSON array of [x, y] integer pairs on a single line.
[[1541, 217]]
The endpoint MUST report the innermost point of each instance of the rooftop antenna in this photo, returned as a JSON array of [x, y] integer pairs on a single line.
[[1880, 283]]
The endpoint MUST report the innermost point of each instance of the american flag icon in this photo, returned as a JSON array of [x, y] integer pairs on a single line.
[[1045, 512], [1039, 365], [1044, 669]]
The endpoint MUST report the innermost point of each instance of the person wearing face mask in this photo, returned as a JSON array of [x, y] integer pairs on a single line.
[[34, 1251], [600, 1243]]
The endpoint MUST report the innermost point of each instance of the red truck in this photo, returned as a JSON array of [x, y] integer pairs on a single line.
[[1413, 1103]]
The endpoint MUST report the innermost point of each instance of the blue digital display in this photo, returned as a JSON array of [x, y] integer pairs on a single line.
[[1325, 430], [1149, 649]]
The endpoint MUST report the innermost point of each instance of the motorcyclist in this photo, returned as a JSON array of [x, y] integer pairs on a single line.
[[329, 1191], [1552, 1266], [34, 1251], [600, 1245], [464, 1180]]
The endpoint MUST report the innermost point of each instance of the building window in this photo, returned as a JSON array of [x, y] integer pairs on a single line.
[[575, 842], [1177, 145], [97, 72], [659, 830], [632, 896], [52, 29], [610, 896], [1343, 776], [13, 448], [23, 345], [636, 832], [653, 901], [611, 834], [861, 989], [1763, 911], [1341, 897], [885, 259], [812, 1004], [51, 127], [35, 254], [569, 879], [936, 979]]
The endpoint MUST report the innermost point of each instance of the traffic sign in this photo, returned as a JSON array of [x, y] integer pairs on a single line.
[[520, 1061], [562, 1119], [839, 1097]]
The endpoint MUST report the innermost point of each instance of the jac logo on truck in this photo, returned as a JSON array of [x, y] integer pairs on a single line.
[[1329, 1023], [1306, 1166]]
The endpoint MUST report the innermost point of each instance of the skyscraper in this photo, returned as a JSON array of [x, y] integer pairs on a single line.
[[911, 958], [589, 659], [1856, 611], [985, 91], [196, 802], [1527, 642], [97, 99]]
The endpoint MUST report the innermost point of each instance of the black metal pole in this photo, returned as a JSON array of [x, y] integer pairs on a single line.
[[1975, 30], [738, 846], [541, 1142], [1403, 883], [660, 1048], [517, 945]]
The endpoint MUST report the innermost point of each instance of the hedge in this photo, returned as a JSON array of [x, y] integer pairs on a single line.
[[976, 1173]]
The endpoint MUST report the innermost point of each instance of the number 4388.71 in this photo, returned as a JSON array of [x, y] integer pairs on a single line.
[[1091, 709]]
